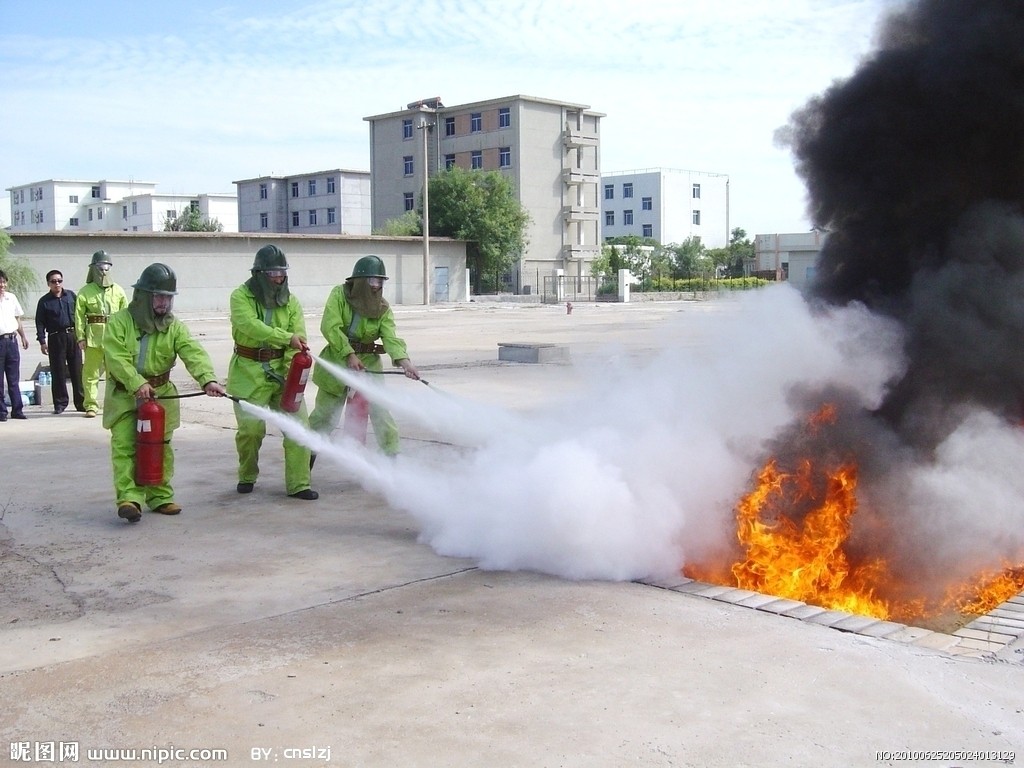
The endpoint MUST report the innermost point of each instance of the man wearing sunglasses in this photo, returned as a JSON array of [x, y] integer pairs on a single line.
[[55, 331], [98, 299]]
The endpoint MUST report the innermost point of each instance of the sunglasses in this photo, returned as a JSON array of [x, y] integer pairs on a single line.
[[56, 281]]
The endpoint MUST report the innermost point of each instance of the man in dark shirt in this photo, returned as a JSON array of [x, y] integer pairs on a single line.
[[55, 331]]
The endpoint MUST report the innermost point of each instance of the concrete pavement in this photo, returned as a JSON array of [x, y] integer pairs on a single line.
[[326, 633]]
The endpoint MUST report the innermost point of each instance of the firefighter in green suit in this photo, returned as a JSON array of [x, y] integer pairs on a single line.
[[98, 299], [140, 346], [356, 318], [268, 329]]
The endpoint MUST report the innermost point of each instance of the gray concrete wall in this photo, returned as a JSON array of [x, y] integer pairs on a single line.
[[210, 265]]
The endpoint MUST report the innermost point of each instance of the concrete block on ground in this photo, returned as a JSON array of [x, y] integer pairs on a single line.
[[532, 353]]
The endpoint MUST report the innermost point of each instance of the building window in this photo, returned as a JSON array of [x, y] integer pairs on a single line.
[[135, 208], [312, 218], [627, 217], [171, 214], [609, 218], [330, 185], [504, 117], [95, 193], [73, 222], [124, 212], [295, 218], [263, 191], [73, 198], [696, 217], [476, 122], [332, 216], [648, 230], [295, 189], [312, 187], [407, 129], [407, 161], [99, 215], [476, 160], [646, 204], [504, 157], [449, 162], [627, 189], [264, 221], [42, 215], [696, 191], [90, 214], [409, 201], [449, 126], [609, 191]]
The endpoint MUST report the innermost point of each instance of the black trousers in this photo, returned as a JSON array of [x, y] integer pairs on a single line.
[[65, 361]]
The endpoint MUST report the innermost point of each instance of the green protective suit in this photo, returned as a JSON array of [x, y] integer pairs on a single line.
[[121, 345], [337, 328], [248, 380], [94, 299]]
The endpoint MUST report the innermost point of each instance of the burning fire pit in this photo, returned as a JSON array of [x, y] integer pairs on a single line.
[[795, 539]]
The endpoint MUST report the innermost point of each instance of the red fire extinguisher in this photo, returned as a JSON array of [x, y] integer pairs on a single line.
[[357, 412], [149, 443], [295, 383]]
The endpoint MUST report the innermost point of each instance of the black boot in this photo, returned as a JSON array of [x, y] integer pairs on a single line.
[[312, 460]]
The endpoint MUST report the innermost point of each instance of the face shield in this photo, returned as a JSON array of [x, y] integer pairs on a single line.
[[163, 304]]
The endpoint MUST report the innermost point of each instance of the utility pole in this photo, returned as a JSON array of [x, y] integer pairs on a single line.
[[426, 128]]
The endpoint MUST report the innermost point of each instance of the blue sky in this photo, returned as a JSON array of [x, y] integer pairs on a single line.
[[197, 94]]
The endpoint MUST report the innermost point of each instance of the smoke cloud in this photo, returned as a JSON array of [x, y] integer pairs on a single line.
[[639, 471], [915, 165]]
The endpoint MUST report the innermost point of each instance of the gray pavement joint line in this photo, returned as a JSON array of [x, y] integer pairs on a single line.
[[370, 593]]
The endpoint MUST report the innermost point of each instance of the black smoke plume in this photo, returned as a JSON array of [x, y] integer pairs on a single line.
[[915, 166]]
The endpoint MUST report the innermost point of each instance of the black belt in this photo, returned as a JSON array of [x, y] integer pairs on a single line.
[[368, 348], [69, 329]]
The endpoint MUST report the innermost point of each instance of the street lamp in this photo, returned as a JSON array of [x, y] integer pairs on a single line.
[[426, 128]]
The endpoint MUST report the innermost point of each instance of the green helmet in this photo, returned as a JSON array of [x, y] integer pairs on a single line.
[[158, 278], [269, 257], [100, 257], [369, 266]]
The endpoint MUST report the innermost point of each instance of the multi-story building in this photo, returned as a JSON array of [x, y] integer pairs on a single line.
[[66, 205], [550, 150], [667, 205], [334, 202], [149, 213]]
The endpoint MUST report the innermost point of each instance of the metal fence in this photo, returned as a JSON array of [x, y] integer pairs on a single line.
[[559, 288]]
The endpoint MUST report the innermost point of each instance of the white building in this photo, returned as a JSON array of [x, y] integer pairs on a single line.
[[791, 256], [549, 150], [149, 213], [334, 202], [667, 205], [70, 205]]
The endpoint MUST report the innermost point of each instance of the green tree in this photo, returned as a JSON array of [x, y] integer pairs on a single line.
[[191, 220], [689, 258], [409, 224], [741, 253], [481, 207], [637, 254], [21, 278]]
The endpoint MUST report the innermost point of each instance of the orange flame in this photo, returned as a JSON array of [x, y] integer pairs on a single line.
[[793, 529], [805, 561]]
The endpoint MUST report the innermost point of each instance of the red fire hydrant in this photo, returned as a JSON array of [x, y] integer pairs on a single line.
[[568, 307]]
